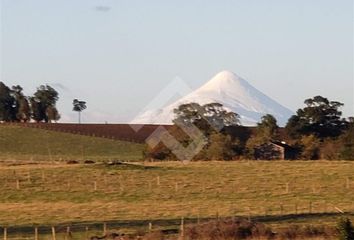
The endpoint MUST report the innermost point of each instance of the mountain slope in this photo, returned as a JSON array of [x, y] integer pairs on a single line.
[[235, 93]]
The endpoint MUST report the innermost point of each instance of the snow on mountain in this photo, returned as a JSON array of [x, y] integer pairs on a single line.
[[235, 93]]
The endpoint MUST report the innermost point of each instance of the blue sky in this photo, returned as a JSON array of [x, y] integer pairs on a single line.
[[117, 55]]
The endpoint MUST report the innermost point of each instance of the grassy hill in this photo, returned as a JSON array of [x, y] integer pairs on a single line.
[[21, 143]]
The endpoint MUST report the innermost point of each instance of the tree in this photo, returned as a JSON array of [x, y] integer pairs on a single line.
[[79, 106], [23, 111], [267, 130], [43, 104], [52, 114], [37, 113], [320, 117], [268, 127], [7, 104], [209, 118], [294, 126]]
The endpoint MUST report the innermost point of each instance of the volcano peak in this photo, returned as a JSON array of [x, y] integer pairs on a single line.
[[230, 90]]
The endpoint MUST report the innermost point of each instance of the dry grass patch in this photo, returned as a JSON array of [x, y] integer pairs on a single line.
[[64, 193]]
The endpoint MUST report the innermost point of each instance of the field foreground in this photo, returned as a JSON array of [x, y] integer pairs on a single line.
[[129, 196]]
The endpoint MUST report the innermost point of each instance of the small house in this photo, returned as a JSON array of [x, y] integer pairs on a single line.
[[273, 150]]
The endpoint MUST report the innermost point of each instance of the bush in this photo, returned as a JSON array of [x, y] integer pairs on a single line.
[[306, 232], [345, 229], [330, 149], [347, 141], [241, 228], [219, 147], [310, 147], [228, 230], [157, 235]]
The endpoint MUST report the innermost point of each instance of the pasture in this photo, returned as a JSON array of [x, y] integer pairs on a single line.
[[132, 195]]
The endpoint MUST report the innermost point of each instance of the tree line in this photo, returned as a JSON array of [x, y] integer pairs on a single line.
[[16, 107], [316, 131]]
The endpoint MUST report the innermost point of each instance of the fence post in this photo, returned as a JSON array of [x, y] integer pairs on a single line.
[[86, 231], [104, 228], [310, 207], [5, 233], [296, 209], [281, 209], [18, 184], [68, 233], [150, 226], [182, 227], [158, 180], [53, 234], [36, 233]]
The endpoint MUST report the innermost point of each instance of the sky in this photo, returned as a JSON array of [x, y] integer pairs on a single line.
[[118, 55]]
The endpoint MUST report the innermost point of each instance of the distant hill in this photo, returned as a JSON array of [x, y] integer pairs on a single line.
[[22, 143]]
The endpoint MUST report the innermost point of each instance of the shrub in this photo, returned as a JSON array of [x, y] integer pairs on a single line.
[[347, 141], [345, 229], [228, 230], [330, 149], [219, 148], [310, 147], [157, 235]]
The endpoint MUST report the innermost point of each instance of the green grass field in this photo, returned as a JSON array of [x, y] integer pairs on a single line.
[[19, 143]]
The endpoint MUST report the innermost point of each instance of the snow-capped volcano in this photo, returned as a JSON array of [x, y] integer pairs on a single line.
[[233, 92]]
